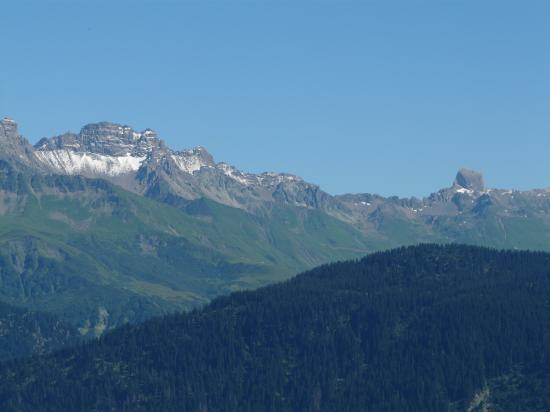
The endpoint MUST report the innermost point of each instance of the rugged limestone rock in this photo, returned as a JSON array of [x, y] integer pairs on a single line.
[[141, 162], [470, 179], [14, 148], [105, 138]]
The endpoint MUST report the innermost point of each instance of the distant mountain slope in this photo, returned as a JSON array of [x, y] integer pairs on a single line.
[[98, 256], [426, 328], [25, 333]]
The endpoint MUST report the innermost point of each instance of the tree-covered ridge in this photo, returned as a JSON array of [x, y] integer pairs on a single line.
[[24, 333], [426, 328]]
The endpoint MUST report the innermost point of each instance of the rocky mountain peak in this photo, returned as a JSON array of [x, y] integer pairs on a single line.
[[469, 179], [118, 140], [105, 138], [200, 153], [105, 131], [8, 128], [14, 147]]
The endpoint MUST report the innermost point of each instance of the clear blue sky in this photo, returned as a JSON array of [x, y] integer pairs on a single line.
[[381, 96]]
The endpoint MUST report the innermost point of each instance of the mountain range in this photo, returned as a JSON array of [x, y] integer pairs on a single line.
[[141, 163], [109, 225]]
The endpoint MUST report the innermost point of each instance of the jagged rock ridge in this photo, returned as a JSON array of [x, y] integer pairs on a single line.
[[141, 162]]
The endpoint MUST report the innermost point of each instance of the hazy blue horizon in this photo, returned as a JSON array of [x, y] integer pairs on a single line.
[[377, 96]]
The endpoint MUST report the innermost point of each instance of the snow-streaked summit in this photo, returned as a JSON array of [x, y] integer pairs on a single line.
[[192, 160], [110, 149]]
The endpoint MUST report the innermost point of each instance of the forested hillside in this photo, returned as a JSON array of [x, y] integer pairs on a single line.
[[25, 333], [425, 328]]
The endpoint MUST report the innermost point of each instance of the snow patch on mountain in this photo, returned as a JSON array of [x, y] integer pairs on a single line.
[[463, 190], [188, 163], [73, 163], [237, 175]]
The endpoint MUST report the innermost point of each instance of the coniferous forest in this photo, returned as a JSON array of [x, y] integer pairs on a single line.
[[24, 332], [424, 328]]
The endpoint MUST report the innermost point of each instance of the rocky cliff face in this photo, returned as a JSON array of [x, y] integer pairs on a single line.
[[470, 180], [108, 139], [14, 148], [99, 150], [141, 162]]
